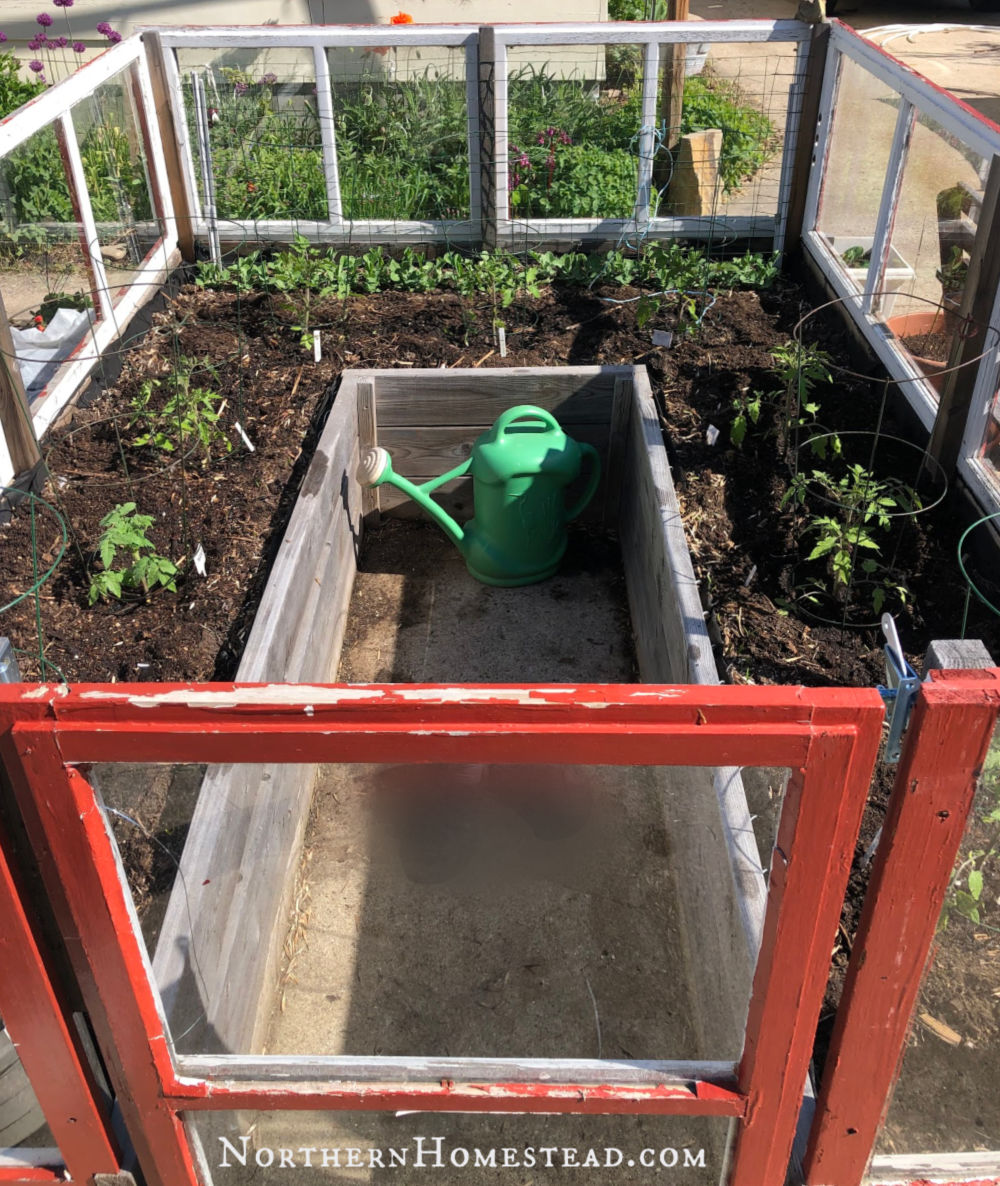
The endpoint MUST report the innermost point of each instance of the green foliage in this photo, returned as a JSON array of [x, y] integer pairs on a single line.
[[746, 408], [54, 301], [34, 174], [749, 139], [864, 506], [857, 257], [15, 88], [129, 558], [190, 414], [662, 267], [953, 274], [584, 182]]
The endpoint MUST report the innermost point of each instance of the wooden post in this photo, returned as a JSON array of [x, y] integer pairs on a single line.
[[805, 142], [15, 416], [974, 336], [487, 135], [671, 95], [171, 150]]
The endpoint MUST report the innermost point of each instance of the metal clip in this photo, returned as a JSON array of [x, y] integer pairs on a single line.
[[902, 683], [9, 673]]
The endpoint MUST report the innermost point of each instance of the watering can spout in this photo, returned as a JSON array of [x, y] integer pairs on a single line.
[[375, 469]]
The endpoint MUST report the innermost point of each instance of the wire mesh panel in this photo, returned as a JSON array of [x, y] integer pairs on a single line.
[[573, 120], [259, 154], [402, 132]]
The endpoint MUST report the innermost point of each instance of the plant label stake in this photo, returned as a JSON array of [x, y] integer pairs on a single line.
[[520, 469]]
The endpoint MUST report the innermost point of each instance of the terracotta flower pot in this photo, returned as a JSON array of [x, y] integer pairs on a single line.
[[914, 325]]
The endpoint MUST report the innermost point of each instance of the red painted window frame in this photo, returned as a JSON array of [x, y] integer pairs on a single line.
[[828, 737]]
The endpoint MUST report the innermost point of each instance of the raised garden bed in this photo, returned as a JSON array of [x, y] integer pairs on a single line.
[[745, 545]]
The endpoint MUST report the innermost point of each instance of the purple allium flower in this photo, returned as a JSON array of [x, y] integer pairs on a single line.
[[61, 42], [36, 66], [3, 37], [79, 47], [114, 37], [44, 19], [524, 162], [63, 3], [34, 45], [240, 88], [104, 27], [269, 79]]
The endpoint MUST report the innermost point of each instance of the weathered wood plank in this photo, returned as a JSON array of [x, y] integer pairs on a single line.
[[721, 921], [360, 1069], [621, 414], [474, 397], [221, 939], [368, 439]]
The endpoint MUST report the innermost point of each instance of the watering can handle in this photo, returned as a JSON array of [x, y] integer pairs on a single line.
[[522, 413], [592, 481]]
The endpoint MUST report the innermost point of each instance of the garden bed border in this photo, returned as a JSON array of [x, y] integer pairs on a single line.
[[239, 862]]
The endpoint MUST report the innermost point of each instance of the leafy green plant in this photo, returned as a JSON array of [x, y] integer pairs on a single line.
[[799, 368], [746, 409], [190, 413], [953, 274], [749, 139], [54, 301], [856, 257], [129, 558], [863, 506]]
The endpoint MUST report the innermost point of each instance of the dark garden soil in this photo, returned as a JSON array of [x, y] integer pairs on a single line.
[[933, 346], [747, 548]]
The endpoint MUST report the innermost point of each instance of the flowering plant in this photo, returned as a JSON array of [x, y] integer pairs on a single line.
[[43, 44]]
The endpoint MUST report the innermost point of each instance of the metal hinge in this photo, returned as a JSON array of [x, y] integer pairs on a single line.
[[901, 686]]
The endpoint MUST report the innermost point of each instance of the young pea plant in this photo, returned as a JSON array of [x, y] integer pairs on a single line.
[[129, 558]]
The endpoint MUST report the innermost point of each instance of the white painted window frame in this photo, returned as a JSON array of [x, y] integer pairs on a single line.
[[53, 108], [318, 39], [651, 36], [918, 96]]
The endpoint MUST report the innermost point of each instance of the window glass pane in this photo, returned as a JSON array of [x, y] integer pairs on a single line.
[[117, 175], [45, 274], [855, 172], [945, 1098], [401, 118], [376, 1147]]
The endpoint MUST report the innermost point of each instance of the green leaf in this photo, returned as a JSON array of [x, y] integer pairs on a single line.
[[976, 883]]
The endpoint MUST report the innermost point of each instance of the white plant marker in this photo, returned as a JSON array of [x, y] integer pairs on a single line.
[[317, 346], [246, 440], [199, 561]]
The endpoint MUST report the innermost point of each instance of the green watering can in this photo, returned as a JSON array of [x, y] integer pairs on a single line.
[[520, 468]]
